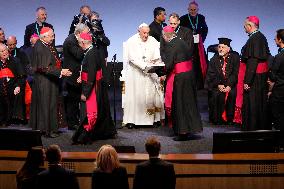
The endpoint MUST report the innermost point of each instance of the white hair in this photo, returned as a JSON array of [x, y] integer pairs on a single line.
[[143, 25], [80, 27]]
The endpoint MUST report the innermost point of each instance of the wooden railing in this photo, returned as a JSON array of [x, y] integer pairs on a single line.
[[194, 171]]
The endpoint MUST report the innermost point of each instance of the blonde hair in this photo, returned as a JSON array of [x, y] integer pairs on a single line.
[[107, 159]]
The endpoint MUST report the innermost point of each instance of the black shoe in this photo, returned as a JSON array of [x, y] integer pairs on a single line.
[[157, 124], [85, 138], [130, 125], [181, 138], [74, 127], [54, 135], [230, 123], [51, 135]]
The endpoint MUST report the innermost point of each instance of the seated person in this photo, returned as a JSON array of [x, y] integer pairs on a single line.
[[26, 175], [56, 177], [108, 173], [154, 173], [222, 78]]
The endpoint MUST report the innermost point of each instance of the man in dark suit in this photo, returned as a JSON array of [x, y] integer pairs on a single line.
[[35, 27], [56, 177], [154, 173], [73, 56], [157, 25]]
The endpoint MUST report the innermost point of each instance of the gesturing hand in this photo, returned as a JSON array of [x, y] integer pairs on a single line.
[[17, 90]]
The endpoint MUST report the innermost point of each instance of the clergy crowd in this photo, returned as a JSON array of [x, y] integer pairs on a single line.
[[164, 65]]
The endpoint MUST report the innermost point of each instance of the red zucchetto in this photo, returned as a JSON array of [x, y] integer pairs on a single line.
[[44, 30], [86, 36], [168, 29], [253, 19], [34, 36]]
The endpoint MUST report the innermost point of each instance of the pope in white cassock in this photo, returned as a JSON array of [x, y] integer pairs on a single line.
[[142, 92]]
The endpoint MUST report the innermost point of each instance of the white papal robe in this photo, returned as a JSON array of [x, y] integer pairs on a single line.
[[142, 94]]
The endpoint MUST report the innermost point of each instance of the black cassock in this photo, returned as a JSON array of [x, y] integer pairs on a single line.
[[218, 102], [197, 25], [254, 110], [45, 89], [22, 64], [7, 86], [183, 33], [276, 99], [184, 113], [103, 126]]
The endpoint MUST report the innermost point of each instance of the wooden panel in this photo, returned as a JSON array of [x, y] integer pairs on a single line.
[[198, 171]]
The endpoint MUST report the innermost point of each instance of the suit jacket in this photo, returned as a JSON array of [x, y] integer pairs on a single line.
[[276, 74], [156, 30], [154, 174], [202, 28], [56, 177], [31, 29], [117, 179], [73, 56]]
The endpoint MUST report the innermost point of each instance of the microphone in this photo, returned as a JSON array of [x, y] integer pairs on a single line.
[[114, 57]]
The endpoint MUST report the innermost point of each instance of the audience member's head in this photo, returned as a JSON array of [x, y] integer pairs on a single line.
[[41, 14], [2, 35], [47, 35], [34, 160], [11, 42], [159, 14], [35, 157], [53, 154], [85, 9], [153, 146], [107, 159]]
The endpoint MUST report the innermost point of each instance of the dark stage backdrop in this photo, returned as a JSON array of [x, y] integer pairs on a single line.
[[121, 17]]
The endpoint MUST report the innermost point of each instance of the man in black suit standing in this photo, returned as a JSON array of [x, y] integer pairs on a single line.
[[157, 25], [73, 56], [56, 177], [154, 173], [35, 27]]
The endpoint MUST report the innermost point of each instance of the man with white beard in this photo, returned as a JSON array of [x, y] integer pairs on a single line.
[[222, 78], [142, 99]]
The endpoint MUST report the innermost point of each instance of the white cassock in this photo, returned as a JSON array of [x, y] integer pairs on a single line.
[[142, 93]]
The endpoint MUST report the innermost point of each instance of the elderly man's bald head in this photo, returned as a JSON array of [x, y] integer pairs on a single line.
[[4, 54], [12, 42]]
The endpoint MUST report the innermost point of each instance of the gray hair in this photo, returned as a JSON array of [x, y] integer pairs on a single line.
[[174, 15], [252, 24], [80, 27]]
